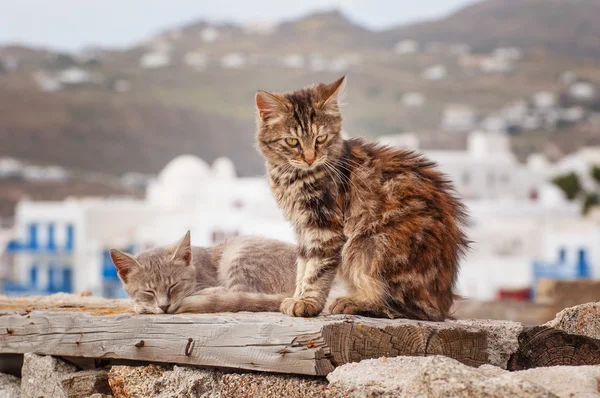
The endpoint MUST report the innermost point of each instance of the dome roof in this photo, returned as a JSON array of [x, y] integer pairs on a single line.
[[184, 168], [223, 168], [552, 196]]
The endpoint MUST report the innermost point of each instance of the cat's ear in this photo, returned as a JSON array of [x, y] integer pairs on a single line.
[[268, 105], [333, 93], [124, 263], [183, 251]]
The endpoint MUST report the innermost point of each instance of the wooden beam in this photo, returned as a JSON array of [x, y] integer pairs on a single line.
[[266, 341], [90, 327], [544, 346]]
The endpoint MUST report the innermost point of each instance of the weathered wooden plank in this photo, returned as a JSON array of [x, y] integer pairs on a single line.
[[240, 341], [543, 346], [91, 327], [266, 341]]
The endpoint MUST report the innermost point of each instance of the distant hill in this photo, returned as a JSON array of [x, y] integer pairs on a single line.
[[567, 27], [128, 117]]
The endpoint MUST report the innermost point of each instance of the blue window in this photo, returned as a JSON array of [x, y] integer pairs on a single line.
[[33, 276]]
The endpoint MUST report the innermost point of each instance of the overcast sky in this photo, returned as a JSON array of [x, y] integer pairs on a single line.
[[72, 24]]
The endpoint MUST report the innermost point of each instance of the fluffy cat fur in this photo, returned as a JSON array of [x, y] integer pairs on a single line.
[[385, 220], [243, 274]]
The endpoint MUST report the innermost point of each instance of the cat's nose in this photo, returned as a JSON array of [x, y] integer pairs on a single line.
[[309, 159], [164, 308]]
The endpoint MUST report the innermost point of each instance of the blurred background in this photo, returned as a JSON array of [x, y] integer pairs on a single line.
[[123, 126]]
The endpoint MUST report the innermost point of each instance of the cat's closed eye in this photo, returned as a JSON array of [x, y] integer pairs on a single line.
[[170, 290], [149, 294]]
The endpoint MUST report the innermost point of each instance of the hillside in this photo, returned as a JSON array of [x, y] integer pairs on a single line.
[[191, 89], [568, 27]]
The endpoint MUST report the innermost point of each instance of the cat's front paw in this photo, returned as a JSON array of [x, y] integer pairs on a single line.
[[344, 305], [140, 309], [303, 307], [184, 306]]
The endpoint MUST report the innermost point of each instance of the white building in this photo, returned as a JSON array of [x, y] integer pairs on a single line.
[[486, 170], [408, 141], [63, 246], [582, 91], [233, 61], [338, 64], [260, 29], [406, 47], [458, 118], [318, 62], [496, 65], [510, 235], [508, 53], [153, 60], [47, 83], [580, 163], [494, 123], [544, 100], [209, 34], [74, 76], [10, 168], [35, 173], [294, 61], [573, 114], [435, 72], [413, 99]]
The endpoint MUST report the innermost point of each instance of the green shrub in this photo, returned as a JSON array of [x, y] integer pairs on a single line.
[[569, 183]]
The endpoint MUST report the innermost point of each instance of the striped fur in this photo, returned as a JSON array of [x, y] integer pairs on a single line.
[[242, 274], [386, 221]]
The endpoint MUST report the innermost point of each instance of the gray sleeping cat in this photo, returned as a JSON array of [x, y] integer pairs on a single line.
[[243, 274]]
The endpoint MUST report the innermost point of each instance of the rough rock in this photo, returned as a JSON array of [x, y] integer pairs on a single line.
[[270, 385], [181, 381], [86, 383], [46, 376], [502, 338], [491, 370], [41, 376], [434, 376], [565, 381], [10, 386], [162, 381], [582, 319]]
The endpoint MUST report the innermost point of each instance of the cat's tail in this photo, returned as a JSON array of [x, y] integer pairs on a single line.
[[232, 302]]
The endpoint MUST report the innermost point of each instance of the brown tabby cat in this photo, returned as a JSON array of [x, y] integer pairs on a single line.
[[242, 274], [384, 220]]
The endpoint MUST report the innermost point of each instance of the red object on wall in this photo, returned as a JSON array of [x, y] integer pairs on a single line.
[[523, 294]]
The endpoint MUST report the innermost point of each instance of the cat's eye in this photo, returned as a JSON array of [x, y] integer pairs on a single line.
[[291, 141], [171, 290], [149, 292], [321, 138]]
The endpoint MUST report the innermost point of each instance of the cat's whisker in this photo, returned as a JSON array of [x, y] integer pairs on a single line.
[[353, 184], [329, 172]]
